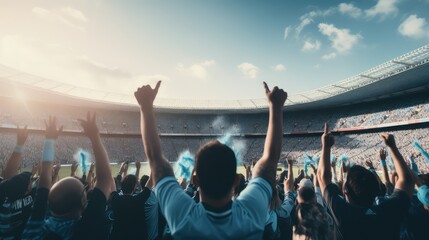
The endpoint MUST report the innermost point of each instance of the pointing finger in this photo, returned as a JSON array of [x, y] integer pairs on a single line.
[[158, 84], [267, 90]]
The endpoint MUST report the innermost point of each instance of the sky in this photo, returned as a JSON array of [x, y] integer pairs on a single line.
[[201, 49]]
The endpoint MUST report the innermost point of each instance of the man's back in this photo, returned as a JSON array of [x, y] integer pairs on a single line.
[[243, 218], [353, 222]]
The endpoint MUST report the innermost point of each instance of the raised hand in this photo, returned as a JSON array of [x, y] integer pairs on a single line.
[[138, 164], [288, 182], [35, 169], [146, 95], [314, 168], [276, 96], [22, 136], [383, 154], [90, 125], [369, 164], [345, 167], [51, 128], [73, 168], [327, 138], [288, 185], [389, 140], [126, 167], [334, 162], [56, 168], [91, 168]]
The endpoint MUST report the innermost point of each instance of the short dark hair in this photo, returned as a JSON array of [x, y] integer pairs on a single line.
[[216, 168], [128, 184], [362, 186], [307, 194]]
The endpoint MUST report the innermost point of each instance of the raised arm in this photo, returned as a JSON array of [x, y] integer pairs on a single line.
[[51, 134], [383, 164], [55, 171], [288, 181], [159, 166], [266, 166], [14, 162], [90, 176], [73, 168], [138, 165], [102, 167], [324, 173], [334, 168], [405, 181]]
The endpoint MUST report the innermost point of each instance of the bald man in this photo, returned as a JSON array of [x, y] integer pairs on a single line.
[[74, 215]]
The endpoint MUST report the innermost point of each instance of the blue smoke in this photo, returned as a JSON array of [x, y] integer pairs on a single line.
[[413, 165], [332, 158], [83, 158], [83, 161], [417, 145], [184, 165], [226, 139], [237, 147], [343, 158], [308, 160]]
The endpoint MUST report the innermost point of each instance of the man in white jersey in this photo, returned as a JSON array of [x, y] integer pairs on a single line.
[[216, 216]]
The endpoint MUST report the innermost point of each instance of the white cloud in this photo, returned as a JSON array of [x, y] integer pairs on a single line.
[[309, 17], [287, 31], [74, 13], [63, 64], [279, 68], [383, 8], [341, 39], [248, 70], [318, 13], [317, 66], [302, 25], [68, 16], [414, 27], [310, 45], [197, 70], [41, 12], [329, 56], [349, 9]]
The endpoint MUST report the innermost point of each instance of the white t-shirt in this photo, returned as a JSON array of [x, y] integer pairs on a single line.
[[189, 220]]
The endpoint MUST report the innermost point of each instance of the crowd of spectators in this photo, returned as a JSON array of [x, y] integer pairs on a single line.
[[14, 113], [358, 147], [337, 199]]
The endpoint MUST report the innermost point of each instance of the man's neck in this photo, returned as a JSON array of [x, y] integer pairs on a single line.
[[216, 204]]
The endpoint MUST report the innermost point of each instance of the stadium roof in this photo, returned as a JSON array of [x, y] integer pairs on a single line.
[[405, 72]]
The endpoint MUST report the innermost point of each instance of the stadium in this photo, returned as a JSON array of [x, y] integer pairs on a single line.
[[390, 97], [214, 120]]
